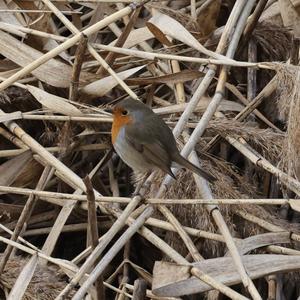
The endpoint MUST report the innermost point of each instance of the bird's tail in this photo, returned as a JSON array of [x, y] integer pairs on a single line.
[[188, 165]]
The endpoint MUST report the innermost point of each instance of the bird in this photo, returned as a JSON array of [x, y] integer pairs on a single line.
[[145, 142]]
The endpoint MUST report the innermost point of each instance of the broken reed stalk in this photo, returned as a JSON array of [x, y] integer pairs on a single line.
[[79, 58], [93, 229], [25, 215], [241, 145], [65, 45], [244, 100], [139, 289], [259, 8]]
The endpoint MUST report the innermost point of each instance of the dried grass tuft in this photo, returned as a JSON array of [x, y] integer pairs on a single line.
[[46, 283], [290, 106]]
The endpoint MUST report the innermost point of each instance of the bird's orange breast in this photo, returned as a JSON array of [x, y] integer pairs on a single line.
[[119, 121]]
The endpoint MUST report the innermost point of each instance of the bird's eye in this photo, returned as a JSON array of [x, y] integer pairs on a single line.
[[124, 113]]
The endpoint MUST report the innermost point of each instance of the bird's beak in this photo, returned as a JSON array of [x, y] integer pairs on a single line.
[[108, 110]]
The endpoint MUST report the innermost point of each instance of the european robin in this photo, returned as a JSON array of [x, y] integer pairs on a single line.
[[144, 141]]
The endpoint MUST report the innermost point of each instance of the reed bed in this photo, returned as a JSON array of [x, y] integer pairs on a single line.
[[77, 223]]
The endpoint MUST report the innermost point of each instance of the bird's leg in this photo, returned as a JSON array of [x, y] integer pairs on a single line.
[[140, 183]]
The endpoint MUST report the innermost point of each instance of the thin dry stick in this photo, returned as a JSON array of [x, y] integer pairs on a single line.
[[259, 8], [93, 229], [88, 147], [25, 215], [64, 46], [124, 200]]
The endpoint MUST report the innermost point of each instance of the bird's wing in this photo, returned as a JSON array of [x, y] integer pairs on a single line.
[[153, 151]]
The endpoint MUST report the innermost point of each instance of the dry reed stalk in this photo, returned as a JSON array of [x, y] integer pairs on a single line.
[[252, 73], [59, 262], [271, 287], [250, 107], [253, 20], [94, 118], [182, 233], [150, 55], [266, 225], [257, 113], [20, 239]]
